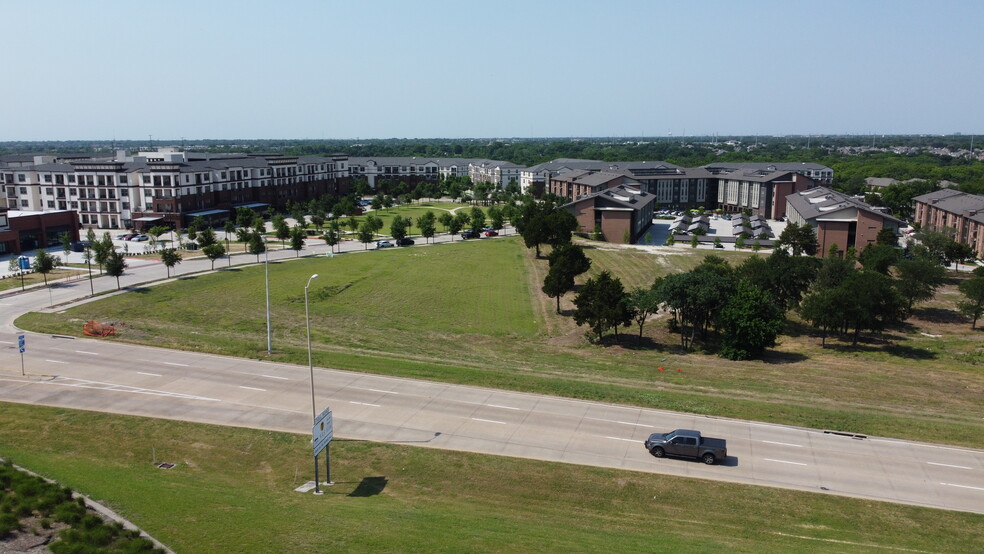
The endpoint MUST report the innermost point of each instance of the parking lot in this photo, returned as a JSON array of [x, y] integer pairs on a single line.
[[718, 227]]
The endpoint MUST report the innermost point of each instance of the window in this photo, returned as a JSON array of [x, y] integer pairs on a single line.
[[21, 178], [122, 179], [49, 191], [71, 178], [23, 203], [74, 205], [124, 192], [146, 179], [47, 178], [23, 190], [51, 203], [126, 205]]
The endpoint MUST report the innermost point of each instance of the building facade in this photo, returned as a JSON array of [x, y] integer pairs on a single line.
[[838, 219], [168, 187], [954, 212], [622, 213], [23, 230]]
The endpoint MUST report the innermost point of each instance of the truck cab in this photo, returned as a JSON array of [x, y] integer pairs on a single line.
[[687, 443]]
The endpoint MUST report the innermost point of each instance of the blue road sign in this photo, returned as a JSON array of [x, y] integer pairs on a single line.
[[20, 343]]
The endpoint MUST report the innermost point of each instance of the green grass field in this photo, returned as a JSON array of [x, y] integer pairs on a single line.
[[472, 313], [232, 491]]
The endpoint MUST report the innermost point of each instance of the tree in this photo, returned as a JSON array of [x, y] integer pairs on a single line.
[[333, 235], [66, 244], [280, 229], [496, 217], [318, 220], [101, 249], [170, 257], [567, 261], [214, 252], [256, 245], [207, 237], [887, 237], [353, 224], [297, 235], [477, 218], [918, 279], [801, 238], [445, 220], [365, 233], [44, 263], [601, 304], [398, 227], [115, 266], [229, 229], [973, 306], [750, 321], [426, 225], [645, 301], [880, 258], [453, 226]]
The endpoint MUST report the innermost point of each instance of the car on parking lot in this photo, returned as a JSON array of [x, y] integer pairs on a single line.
[[469, 234], [491, 233], [126, 236], [140, 238], [404, 242], [384, 244], [80, 245]]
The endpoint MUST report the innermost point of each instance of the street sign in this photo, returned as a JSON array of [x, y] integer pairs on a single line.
[[322, 431], [20, 343]]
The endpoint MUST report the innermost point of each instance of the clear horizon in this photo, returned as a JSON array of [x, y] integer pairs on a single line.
[[323, 70]]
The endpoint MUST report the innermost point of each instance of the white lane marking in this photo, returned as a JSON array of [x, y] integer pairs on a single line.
[[382, 391], [948, 465], [6, 341], [151, 374], [619, 422], [502, 407], [84, 352], [783, 462], [364, 404], [56, 361], [175, 363], [621, 439], [784, 444], [252, 388], [97, 385], [963, 486], [275, 377], [489, 421]]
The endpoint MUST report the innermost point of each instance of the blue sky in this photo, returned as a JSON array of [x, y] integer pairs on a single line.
[[424, 69]]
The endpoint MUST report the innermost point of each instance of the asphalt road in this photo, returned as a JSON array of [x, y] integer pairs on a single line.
[[91, 374]]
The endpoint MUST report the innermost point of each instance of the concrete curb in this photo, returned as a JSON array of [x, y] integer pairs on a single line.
[[103, 511]]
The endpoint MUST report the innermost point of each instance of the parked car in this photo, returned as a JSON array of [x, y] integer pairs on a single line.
[[140, 238], [404, 242], [384, 244], [80, 245], [718, 245], [491, 233], [126, 236], [469, 234]]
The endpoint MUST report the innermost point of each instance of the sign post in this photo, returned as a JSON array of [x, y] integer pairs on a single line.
[[20, 346], [321, 435]]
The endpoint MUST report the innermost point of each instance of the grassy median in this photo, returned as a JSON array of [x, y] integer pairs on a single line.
[[472, 313], [232, 491]]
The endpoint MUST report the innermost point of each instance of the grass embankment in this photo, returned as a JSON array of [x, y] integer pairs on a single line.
[[232, 491], [35, 278], [473, 313]]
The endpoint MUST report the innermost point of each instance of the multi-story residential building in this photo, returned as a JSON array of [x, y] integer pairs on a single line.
[[820, 174], [759, 191], [575, 184], [955, 212], [497, 173], [621, 213], [536, 179], [168, 186], [838, 219]]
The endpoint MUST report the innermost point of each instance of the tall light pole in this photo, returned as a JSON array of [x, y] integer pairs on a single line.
[[307, 319], [88, 262], [314, 409], [266, 266]]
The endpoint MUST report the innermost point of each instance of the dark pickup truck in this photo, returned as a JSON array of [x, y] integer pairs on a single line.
[[687, 443]]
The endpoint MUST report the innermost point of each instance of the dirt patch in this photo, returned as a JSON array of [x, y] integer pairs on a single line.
[[33, 538]]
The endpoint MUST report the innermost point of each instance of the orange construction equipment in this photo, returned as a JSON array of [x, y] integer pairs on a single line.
[[96, 329]]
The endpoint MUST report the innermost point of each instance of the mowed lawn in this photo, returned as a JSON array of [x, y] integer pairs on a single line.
[[472, 312], [232, 490]]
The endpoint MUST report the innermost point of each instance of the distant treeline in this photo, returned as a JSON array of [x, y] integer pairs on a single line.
[[853, 158]]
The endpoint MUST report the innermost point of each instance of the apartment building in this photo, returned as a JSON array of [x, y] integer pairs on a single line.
[[838, 219], [820, 174], [953, 211], [167, 186], [760, 191], [622, 213], [497, 173]]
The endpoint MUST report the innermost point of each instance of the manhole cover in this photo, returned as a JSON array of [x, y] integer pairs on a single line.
[[166, 465]]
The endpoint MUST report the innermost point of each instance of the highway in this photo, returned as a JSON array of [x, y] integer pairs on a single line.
[[93, 374]]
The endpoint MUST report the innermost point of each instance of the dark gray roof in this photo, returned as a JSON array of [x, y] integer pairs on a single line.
[[768, 166], [813, 203], [620, 196], [952, 201]]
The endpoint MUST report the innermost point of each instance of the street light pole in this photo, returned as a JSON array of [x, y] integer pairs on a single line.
[[88, 262], [314, 409], [266, 265]]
